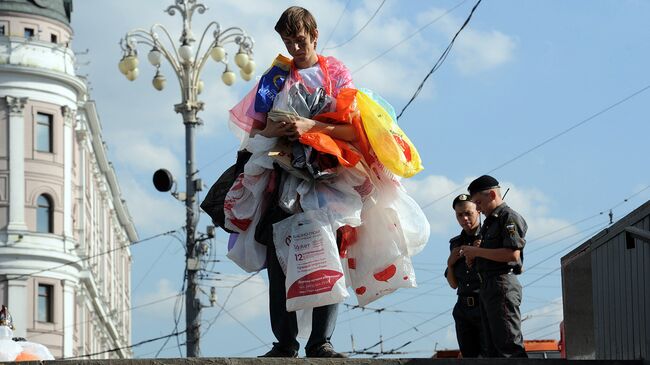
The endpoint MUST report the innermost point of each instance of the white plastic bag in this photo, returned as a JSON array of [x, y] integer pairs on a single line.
[[9, 350], [415, 224], [247, 253], [37, 350], [314, 272]]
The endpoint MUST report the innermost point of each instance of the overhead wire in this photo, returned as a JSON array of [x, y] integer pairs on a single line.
[[358, 31], [20, 276], [548, 140], [338, 21], [112, 314], [447, 12], [173, 334], [440, 60]]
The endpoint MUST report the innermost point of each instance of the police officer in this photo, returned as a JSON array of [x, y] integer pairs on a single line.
[[498, 259], [467, 314]]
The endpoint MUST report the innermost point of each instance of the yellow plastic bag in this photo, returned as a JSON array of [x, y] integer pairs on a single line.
[[392, 147]]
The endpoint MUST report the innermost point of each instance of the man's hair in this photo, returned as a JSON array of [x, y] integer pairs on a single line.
[[294, 20]]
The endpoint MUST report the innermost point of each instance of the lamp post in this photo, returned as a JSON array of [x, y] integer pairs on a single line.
[[188, 64]]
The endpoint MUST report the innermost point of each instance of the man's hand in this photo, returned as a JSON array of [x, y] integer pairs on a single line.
[[469, 252], [454, 255], [279, 128]]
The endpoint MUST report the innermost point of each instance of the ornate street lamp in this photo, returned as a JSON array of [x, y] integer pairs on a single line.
[[187, 63]]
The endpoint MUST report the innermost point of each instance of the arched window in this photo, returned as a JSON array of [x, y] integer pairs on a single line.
[[44, 214]]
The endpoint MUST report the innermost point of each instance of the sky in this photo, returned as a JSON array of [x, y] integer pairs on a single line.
[[550, 97]]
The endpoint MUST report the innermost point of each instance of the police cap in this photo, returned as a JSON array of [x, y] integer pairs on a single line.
[[460, 199], [482, 183]]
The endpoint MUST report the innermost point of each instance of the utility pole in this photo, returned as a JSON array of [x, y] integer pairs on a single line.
[[188, 64]]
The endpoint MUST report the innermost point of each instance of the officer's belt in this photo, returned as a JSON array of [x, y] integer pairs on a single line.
[[468, 300], [482, 276]]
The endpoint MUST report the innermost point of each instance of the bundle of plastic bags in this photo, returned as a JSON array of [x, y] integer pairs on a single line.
[[356, 202]]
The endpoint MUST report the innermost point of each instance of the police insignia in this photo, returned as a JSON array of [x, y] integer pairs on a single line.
[[511, 228]]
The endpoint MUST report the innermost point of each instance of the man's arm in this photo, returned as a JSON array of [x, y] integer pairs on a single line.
[[454, 255], [300, 126], [494, 254]]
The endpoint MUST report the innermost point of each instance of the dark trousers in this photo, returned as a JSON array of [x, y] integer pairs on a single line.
[[467, 315], [500, 316], [283, 323]]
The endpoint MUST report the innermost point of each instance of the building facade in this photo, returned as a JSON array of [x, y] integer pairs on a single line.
[[64, 228], [605, 292]]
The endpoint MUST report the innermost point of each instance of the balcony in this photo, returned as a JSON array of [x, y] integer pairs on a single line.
[[28, 52]]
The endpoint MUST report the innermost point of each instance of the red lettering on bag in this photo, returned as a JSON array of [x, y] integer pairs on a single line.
[[316, 282], [352, 263], [360, 290]]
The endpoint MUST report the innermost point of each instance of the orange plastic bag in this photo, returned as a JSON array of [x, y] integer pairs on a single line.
[[391, 145]]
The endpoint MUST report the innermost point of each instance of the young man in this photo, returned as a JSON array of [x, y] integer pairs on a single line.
[[462, 277], [298, 30], [497, 259]]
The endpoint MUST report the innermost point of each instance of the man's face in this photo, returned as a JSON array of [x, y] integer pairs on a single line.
[[484, 201], [302, 48], [467, 215]]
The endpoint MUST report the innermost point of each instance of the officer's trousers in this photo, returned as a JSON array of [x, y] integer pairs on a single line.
[[283, 323], [500, 299], [467, 315]]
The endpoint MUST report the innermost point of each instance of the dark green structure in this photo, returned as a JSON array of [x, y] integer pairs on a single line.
[[59, 10]]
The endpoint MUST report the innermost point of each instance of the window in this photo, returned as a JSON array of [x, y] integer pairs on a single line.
[[54, 38], [2, 30], [44, 132], [44, 215], [29, 32], [45, 303]]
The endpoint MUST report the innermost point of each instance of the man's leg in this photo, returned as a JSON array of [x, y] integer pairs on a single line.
[[283, 323], [485, 296], [468, 328], [322, 326], [504, 316]]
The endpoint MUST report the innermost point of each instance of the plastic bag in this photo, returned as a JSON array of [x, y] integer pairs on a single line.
[[392, 147], [378, 263], [271, 83], [246, 252], [9, 350], [314, 275], [34, 351]]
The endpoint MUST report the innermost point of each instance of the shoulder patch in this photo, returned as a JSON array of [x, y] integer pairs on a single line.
[[511, 227]]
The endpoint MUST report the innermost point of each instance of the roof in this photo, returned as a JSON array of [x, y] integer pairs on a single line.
[[59, 10], [606, 234]]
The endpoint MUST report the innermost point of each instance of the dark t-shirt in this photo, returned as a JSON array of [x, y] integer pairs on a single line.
[[504, 228]]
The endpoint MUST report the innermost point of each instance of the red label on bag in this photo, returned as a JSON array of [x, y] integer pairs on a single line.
[[241, 223], [317, 282]]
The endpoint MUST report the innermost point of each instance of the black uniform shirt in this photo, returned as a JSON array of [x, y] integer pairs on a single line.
[[503, 228], [468, 282]]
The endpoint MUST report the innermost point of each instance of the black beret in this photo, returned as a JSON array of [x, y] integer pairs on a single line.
[[482, 183], [459, 199]]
